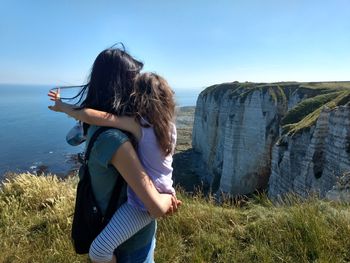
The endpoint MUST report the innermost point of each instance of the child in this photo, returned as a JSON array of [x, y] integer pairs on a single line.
[[152, 126]]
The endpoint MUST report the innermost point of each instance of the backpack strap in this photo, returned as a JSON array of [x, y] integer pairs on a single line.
[[92, 141], [114, 200]]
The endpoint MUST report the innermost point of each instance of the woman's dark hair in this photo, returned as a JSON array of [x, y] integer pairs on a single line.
[[111, 82], [154, 100]]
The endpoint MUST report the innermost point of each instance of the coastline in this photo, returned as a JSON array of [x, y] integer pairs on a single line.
[[184, 163], [43, 149], [184, 123]]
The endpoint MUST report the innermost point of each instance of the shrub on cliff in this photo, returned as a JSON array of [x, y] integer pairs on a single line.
[[307, 106], [36, 215], [306, 113]]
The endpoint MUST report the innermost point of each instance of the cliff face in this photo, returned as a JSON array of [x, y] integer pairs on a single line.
[[340, 191], [312, 160], [236, 128]]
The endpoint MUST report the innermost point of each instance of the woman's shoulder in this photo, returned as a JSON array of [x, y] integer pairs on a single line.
[[109, 132], [109, 136], [107, 143], [113, 133]]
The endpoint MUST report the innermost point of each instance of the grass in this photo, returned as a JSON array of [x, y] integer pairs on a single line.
[[35, 220], [307, 106], [328, 100]]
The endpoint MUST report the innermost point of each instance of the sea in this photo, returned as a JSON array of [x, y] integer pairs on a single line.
[[32, 137]]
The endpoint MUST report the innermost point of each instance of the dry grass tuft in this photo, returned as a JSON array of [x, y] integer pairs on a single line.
[[35, 221]]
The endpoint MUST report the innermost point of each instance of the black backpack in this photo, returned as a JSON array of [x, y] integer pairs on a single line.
[[88, 220]]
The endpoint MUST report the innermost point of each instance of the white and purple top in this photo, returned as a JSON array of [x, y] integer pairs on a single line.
[[156, 164]]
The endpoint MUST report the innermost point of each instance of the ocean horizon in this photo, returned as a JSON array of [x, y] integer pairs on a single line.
[[32, 138]]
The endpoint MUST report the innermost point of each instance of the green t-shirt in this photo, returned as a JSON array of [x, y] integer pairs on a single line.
[[103, 179]]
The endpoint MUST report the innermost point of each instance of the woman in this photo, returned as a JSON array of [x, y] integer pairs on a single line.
[[154, 129], [109, 88]]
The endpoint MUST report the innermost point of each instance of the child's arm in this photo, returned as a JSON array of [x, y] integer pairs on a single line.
[[96, 117]]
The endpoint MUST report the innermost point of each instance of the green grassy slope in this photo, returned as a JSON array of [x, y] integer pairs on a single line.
[[35, 220]]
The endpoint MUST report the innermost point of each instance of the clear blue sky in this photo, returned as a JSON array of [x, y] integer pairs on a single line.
[[190, 43]]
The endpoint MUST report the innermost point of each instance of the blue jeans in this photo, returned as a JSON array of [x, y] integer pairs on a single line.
[[142, 255]]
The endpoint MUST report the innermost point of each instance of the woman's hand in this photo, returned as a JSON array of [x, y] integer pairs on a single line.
[[169, 203], [175, 204]]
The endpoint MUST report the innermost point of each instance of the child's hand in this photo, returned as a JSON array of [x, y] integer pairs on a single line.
[[55, 96], [58, 106]]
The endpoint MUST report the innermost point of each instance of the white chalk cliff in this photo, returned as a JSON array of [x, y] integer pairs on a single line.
[[252, 137]]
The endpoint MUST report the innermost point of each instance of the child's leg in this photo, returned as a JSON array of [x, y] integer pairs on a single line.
[[126, 222]]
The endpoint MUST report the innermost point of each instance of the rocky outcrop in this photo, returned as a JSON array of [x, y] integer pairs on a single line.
[[313, 159], [237, 126], [341, 191]]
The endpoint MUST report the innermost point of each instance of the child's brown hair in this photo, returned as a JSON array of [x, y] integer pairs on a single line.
[[154, 100]]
